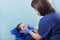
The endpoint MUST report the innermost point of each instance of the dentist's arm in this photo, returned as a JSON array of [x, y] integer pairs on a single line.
[[36, 36]]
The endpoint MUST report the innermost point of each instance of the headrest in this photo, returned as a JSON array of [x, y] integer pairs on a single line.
[[15, 32]]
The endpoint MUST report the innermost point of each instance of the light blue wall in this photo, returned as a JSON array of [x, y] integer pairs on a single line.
[[13, 12], [56, 4]]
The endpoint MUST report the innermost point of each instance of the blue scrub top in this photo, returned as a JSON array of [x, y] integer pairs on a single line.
[[49, 27]]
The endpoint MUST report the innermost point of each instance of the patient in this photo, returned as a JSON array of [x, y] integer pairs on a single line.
[[19, 29]]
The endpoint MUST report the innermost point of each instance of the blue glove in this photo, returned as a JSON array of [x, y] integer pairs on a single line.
[[30, 27], [26, 31], [15, 32]]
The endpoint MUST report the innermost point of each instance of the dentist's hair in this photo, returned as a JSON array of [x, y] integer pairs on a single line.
[[43, 6]]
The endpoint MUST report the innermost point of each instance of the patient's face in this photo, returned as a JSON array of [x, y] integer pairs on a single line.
[[22, 26]]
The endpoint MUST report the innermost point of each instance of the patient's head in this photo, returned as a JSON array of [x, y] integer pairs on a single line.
[[20, 27]]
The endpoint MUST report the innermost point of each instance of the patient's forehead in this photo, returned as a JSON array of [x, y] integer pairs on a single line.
[[22, 25]]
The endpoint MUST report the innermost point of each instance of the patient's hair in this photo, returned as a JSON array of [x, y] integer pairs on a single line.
[[18, 28]]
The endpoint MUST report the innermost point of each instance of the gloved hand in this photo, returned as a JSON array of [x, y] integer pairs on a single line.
[[30, 27], [26, 31]]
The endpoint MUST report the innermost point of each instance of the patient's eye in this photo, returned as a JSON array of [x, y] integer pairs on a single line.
[[23, 26]]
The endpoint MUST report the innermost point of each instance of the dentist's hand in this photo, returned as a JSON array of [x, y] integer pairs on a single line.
[[30, 27], [25, 30]]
